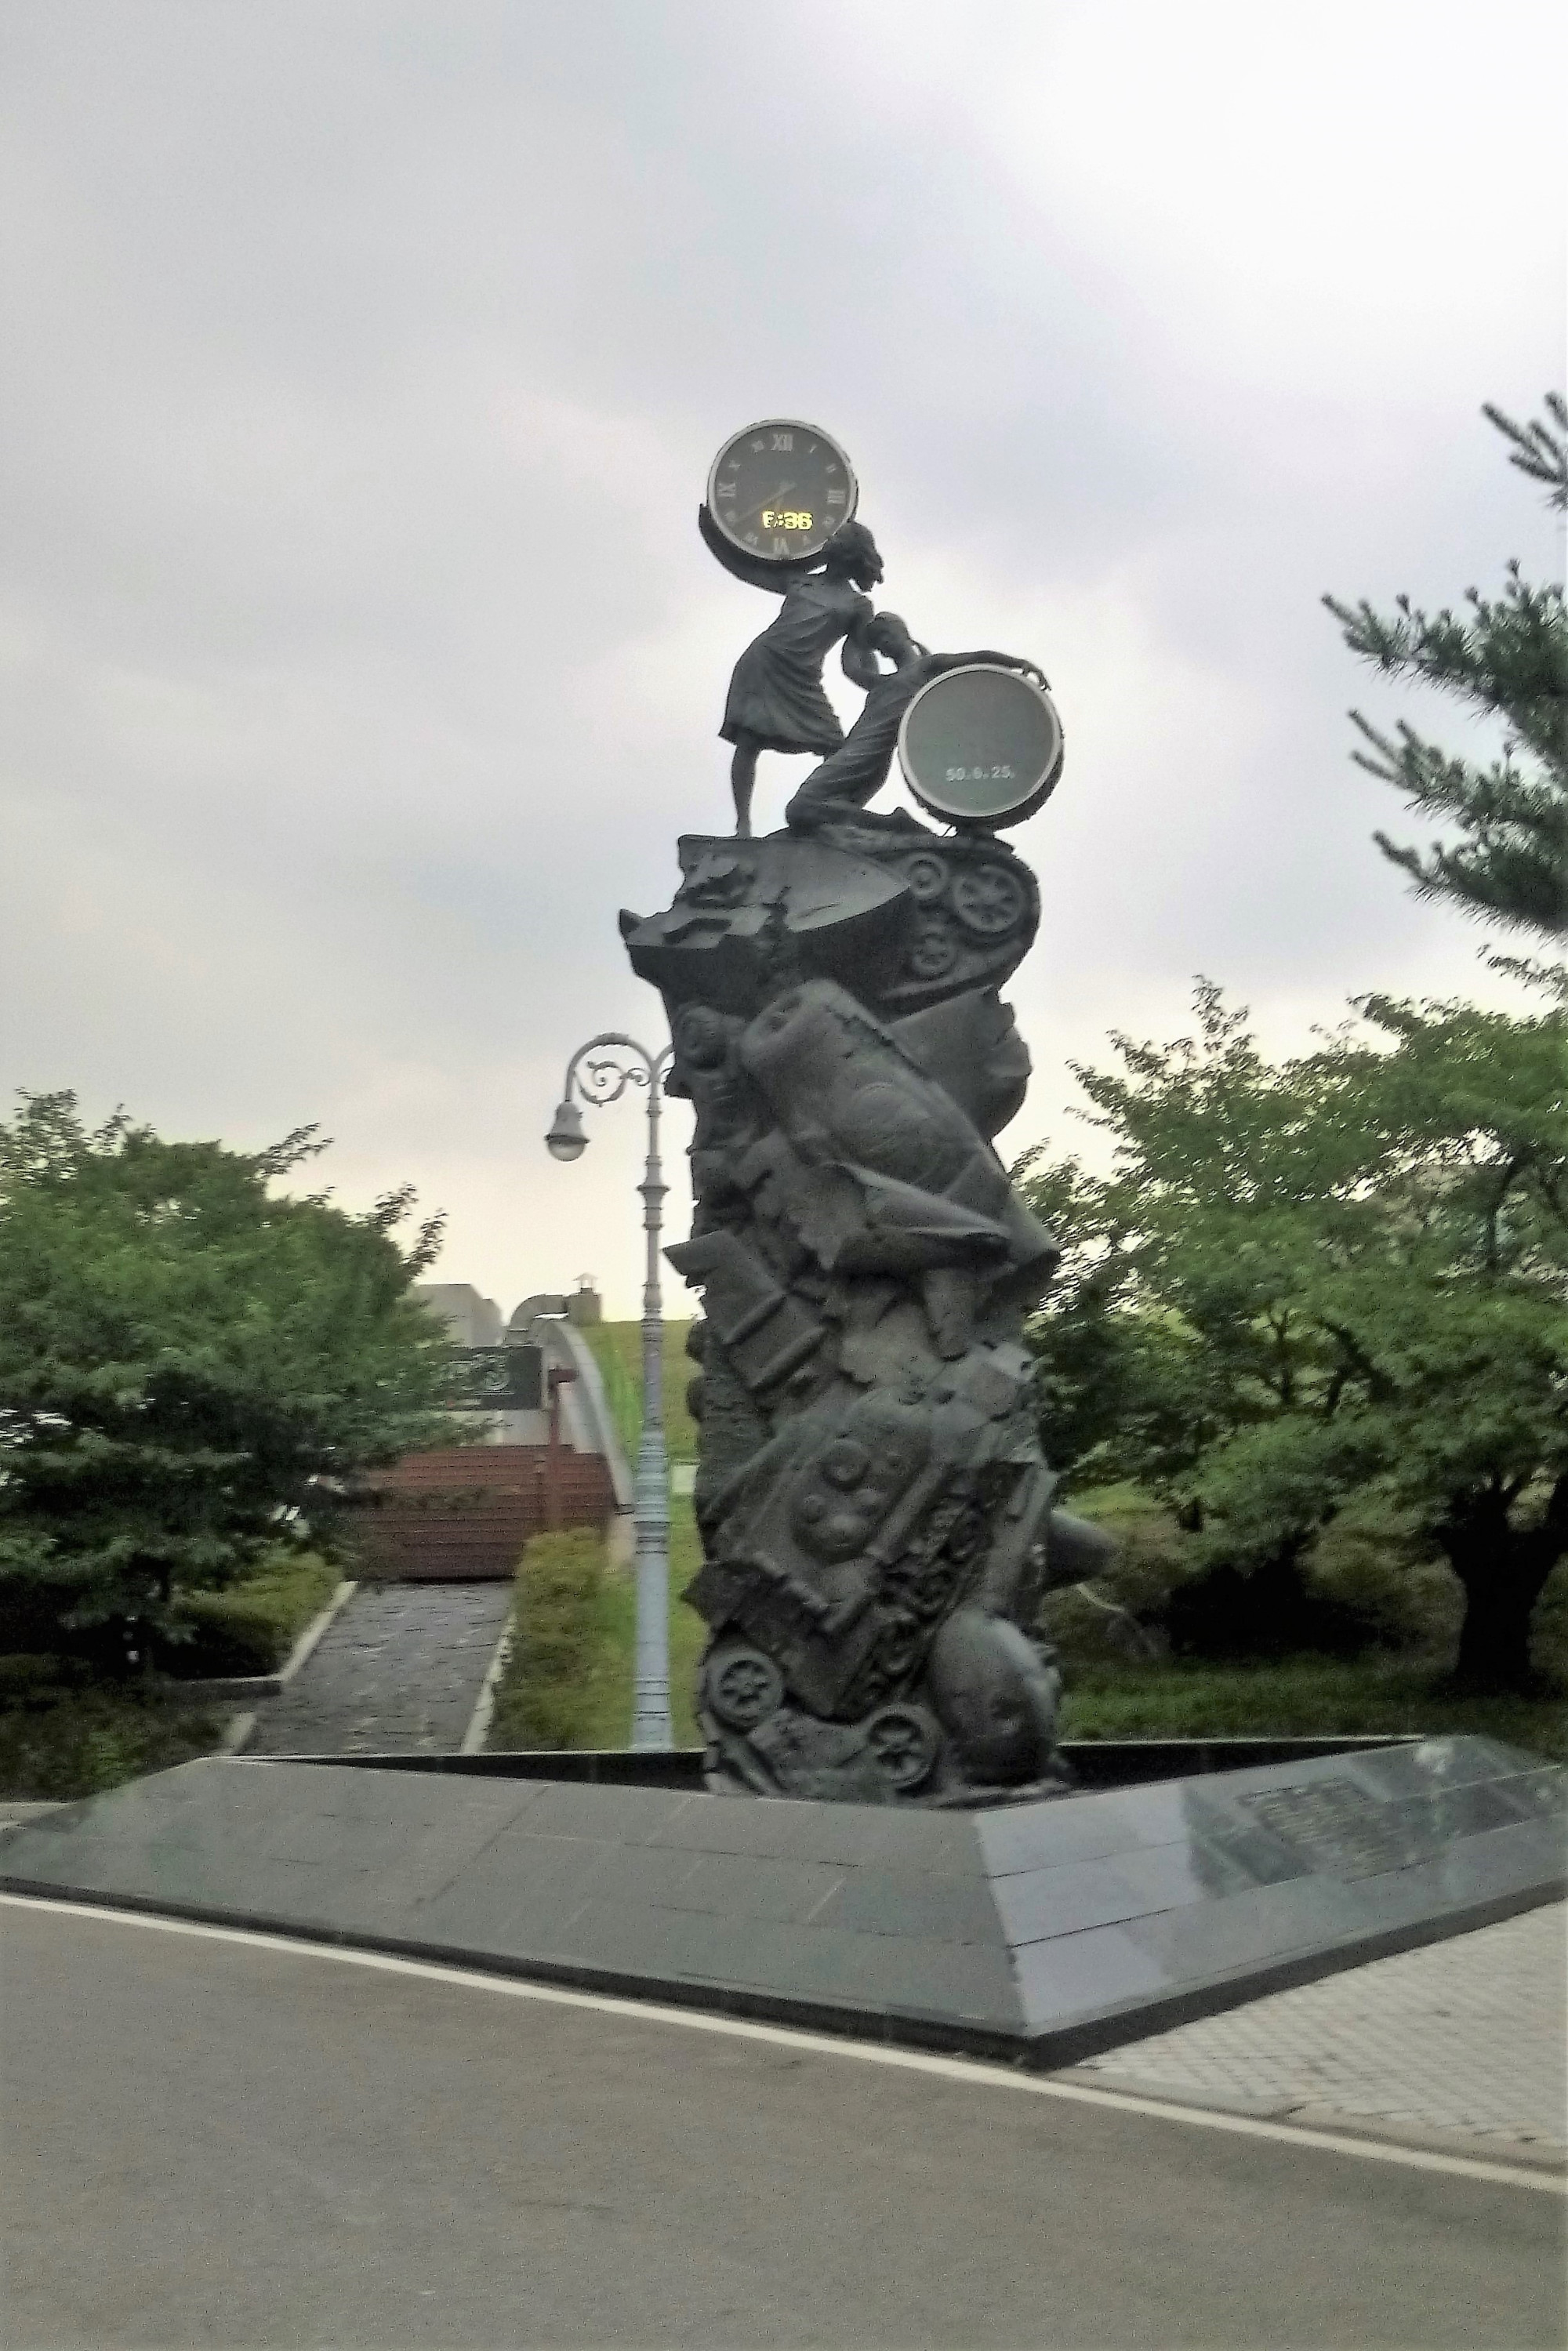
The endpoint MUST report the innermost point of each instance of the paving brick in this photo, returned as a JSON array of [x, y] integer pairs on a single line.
[[398, 1672], [1469, 2036]]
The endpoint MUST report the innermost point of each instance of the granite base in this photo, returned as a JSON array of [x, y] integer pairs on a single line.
[[1045, 1931]]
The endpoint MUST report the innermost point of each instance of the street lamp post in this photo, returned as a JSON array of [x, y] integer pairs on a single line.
[[598, 1081]]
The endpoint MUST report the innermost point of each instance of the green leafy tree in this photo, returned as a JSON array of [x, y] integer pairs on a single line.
[[1092, 1378], [1504, 658], [189, 1361], [1347, 1271]]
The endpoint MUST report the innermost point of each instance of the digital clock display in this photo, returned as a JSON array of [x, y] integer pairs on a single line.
[[781, 489]]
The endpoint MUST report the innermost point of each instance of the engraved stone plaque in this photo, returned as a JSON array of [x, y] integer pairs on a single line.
[[1341, 1830]]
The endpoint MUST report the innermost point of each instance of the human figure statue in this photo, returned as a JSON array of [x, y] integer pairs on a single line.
[[776, 697], [855, 770]]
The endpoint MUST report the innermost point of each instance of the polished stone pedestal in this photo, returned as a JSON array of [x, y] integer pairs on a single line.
[[1043, 1931]]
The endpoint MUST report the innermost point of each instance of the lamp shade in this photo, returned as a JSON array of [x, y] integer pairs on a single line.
[[566, 1139]]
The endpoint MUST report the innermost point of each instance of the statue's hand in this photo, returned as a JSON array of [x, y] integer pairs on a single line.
[[775, 578], [999, 660]]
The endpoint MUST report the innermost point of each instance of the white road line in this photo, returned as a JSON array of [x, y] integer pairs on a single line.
[[973, 2071]]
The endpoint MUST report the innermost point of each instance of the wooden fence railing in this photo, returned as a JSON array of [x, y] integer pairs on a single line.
[[463, 1515]]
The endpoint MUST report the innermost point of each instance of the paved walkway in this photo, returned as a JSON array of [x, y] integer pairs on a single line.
[[398, 1671], [1467, 2037]]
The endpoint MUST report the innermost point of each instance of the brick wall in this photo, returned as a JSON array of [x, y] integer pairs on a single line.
[[463, 1515]]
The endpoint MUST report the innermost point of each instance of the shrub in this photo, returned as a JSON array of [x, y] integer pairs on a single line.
[[1122, 1612], [60, 1743], [1370, 1561], [250, 1628], [1364, 1583], [1269, 1610], [547, 1693]]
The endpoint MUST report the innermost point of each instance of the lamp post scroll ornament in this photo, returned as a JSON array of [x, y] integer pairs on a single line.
[[598, 1074]]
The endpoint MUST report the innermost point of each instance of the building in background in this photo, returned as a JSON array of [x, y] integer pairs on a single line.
[[473, 1321], [552, 1322]]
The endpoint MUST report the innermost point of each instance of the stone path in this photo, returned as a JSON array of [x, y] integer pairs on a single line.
[[398, 1671], [1469, 2036]]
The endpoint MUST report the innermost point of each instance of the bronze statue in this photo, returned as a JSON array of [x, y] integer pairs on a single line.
[[856, 770], [776, 699], [877, 1518]]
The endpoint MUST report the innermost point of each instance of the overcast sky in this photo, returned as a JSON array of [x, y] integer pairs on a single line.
[[364, 363]]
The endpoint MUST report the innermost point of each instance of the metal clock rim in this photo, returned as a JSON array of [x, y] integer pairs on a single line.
[[774, 424], [1037, 794]]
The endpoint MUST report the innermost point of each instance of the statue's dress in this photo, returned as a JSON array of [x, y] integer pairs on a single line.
[[776, 695]]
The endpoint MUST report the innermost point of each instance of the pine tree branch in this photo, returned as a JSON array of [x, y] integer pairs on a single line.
[[1513, 866], [1538, 449], [1506, 884], [1485, 799], [1508, 658]]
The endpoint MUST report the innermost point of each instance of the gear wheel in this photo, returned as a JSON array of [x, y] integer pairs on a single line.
[[742, 1688], [988, 899], [934, 951], [928, 878], [901, 1741]]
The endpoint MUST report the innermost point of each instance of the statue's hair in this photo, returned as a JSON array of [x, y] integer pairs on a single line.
[[853, 539], [884, 626]]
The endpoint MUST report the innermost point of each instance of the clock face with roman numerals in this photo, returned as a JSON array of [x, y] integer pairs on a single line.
[[779, 490]]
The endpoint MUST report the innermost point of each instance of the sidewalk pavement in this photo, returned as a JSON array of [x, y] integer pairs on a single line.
[[1464, 2039]]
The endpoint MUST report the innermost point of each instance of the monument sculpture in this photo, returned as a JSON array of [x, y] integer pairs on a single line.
[[877, 1518], [874, 1506]]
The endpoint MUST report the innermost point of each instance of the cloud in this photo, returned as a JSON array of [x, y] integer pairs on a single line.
[[359, 656]]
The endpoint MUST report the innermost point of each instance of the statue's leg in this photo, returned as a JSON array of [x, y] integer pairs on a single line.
[[807, 809], [742, 780]]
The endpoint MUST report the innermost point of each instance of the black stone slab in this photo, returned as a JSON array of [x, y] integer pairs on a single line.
[[1045, 1930], [1092, 1762]]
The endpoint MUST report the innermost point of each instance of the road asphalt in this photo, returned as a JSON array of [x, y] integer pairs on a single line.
[[212, 2142]]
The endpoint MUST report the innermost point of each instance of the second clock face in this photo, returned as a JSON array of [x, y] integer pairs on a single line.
[[781, 489]]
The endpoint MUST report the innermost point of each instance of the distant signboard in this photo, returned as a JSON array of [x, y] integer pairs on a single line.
[[981, 746], [501, 1379]]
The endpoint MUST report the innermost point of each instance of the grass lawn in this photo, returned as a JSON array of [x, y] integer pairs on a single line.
[[1299, 1698], [613, 1713], [1105, 1699], [618, 1352]]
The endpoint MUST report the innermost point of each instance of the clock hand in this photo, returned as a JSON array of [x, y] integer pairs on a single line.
[[770, 498]]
